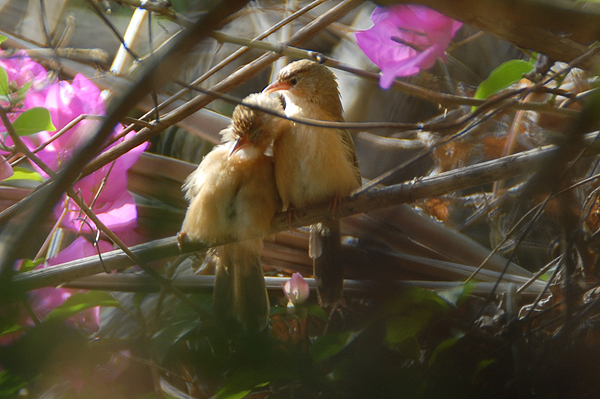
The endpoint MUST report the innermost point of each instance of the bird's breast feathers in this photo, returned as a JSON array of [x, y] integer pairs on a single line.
[[311, 165]]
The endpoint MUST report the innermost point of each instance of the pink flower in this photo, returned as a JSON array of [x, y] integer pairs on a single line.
[[114, 205], [21, 69], [405, 39], [6, 170], [105, 190], [296, 290], [66, 101]]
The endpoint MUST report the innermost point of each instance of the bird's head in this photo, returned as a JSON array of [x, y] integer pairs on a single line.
[[307, 81], [254, 128]]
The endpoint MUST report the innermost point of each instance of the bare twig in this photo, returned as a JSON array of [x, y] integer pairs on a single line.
[[240, 76], [426, 187]]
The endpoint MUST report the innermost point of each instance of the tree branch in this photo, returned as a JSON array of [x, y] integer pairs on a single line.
[[426, 187]]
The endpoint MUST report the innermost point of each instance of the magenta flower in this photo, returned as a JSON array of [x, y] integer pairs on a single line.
[[44, 300], [66, 101], [296, 290], [6, 170], [106, 189], [21, 69], [405, 39]]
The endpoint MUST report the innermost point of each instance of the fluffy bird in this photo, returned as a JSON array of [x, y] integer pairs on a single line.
[[233, 196], [314, 164]]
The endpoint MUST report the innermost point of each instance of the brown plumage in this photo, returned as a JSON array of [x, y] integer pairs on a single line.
[[233, 196], [314, 164]]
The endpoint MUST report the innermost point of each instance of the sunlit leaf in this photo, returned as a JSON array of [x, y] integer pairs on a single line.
[[11, 329], [3, 38], [329, 345], [482, 365], [4, 90], [29, 264], [458, 295], [79, 302], [25, 174], [502, 77], [22, 91], [32, 121]]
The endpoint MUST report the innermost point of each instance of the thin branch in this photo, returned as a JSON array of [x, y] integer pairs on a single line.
[[446, 100], [99, 224], [426, 187], [14, 236], [240, 76], [129, 282]]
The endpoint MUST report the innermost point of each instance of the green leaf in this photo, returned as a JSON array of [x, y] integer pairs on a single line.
[[32, 121], [458, 295], [317, 311], [165, 339], [409, 348], [415, 300], [445, 345], [234, 395], [401, 328], [502, 77], [4, 90], [79, 302], [482, 365], [11, 329], [3, 38], [29, 264], [242, 382], [329, 345], [22, 92], [10, 384], [25, 174], [277, 310]]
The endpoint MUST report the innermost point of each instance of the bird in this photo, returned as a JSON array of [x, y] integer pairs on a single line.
[[233, 197], [315, 164]]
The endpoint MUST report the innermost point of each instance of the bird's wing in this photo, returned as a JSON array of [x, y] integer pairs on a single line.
[[351, 152]]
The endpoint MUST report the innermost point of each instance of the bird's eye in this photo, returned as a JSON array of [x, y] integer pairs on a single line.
[[293, 81]]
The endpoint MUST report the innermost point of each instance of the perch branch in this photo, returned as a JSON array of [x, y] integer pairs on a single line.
[[426, 187]]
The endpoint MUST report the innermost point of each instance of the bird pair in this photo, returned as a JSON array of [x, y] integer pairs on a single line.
[[237, 188]]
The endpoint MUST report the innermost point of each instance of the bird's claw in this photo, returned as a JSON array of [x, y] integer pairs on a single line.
[[181, 236], [290, 216]]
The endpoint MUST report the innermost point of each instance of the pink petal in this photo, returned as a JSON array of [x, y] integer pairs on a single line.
[[6, 170], [426, 32], [296, 289]]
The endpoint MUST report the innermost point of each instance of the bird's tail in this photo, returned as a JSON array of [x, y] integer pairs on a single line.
[[325, 248], [240, 290]]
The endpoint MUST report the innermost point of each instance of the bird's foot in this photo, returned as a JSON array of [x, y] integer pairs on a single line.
[[335, 205], [181, 236], [291, 215]]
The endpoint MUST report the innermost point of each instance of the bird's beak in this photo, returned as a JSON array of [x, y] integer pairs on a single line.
[[277, 86], [238, 145]]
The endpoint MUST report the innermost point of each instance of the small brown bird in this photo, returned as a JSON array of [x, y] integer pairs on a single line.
[[314, 164], [233, 196]]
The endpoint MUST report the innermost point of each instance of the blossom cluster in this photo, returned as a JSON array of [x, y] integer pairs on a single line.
[[405, 39], [105, 190]]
